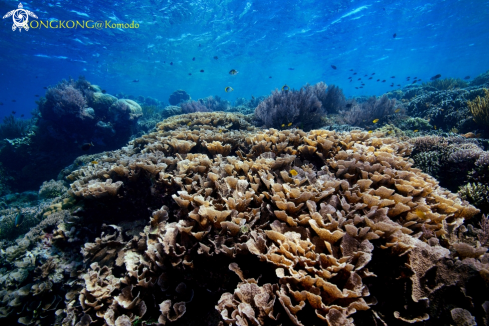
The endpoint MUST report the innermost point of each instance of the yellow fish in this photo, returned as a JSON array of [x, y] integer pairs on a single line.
[[290, 124], [94, 162], [370, 131], [283, 125], [397, 111], [188, 124], [293, 172], [419, 213], [228, 89], [416, 130], [435, 127], [375, 121], [389, 132], [220, 130]]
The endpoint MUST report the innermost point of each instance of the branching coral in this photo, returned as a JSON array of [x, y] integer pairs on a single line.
[[292, 108], [480, 108]]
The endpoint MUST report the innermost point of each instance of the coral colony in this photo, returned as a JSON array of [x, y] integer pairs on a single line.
[[299, 208]]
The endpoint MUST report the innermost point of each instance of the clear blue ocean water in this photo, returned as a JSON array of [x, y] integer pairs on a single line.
[[270, 43]]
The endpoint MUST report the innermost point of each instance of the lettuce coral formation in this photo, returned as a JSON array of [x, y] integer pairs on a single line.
[[354, 234]]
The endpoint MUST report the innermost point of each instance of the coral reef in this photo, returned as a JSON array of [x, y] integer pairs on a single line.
[[73, 113], [452, 160], [445, 109], [178, 96], [292, 108], [297, 228]]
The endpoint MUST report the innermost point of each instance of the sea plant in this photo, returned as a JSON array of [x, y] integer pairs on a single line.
[[479, 108]]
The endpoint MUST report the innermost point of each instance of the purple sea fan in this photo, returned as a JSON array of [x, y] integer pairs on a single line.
[[63, 100], [293, 108], [193, 106], [365, 113]]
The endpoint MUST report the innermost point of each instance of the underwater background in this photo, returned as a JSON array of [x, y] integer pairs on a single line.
[[244, 163]]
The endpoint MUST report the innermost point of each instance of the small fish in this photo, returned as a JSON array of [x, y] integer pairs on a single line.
[[390, 132], [373, 73], [135, 81], [37, 95], [45, 87], [215, 57], [201, 70], [349, 105], [419, 213], [94, 162], [435, 77], [349, 77], [233, 72], [291, 68], [1, 103], [285, 88], [434, 127], [104, 91], [14, 101], [416, 130], [190, 74], [293, 172], [19, 219], [199, 45], [356, 87], [188, 124], [359, 79], [21, 115], [375, 121], [193, 59], [467, 77], [351, 69], [394, 36], [269, 76], [414, 82], [370, 131], [283, 125], [370, 78], [13, 112], [365, 75], [86, 146], [290, 124], [383, 81], [228, 89], [378, 80], [220, 130], [393, 76], [397, 111], [354, 73], [417, 77], [334, 67], [398, 85]]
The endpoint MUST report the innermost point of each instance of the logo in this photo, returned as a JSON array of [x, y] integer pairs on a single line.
[[20, 17]]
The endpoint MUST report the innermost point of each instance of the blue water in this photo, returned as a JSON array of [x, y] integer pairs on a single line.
[[260, 39]]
